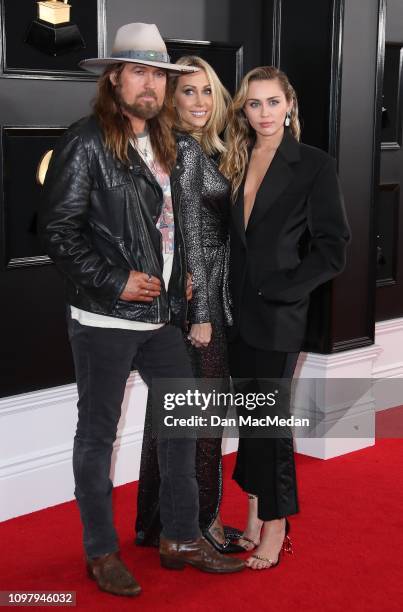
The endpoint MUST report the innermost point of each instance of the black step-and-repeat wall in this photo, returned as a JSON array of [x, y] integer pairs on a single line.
[[389, 212]]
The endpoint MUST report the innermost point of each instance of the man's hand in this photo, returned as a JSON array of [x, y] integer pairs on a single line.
[[200, 334], [141, 287], [189, 287]]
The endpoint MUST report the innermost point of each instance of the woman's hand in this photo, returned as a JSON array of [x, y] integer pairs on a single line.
[[200, 334], [189, 287]]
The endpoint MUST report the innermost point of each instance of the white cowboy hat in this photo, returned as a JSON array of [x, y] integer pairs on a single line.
[[139, 43]]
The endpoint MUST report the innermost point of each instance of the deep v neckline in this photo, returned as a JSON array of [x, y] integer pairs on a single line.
[[246, 221], [276, 180]]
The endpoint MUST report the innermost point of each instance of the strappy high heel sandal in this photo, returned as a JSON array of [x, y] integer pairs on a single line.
[[286, 548], [246, 539]]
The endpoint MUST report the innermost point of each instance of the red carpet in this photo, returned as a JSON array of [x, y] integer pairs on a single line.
[[389, 423], [348, 545]]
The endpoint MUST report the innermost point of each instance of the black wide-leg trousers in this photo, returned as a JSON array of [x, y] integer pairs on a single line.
[[265, 466], [103, 359]]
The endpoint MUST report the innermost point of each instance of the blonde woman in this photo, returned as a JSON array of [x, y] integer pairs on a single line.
[[201, 105], [288, 236]]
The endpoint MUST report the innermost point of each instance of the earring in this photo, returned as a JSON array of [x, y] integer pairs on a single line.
[[287, 119]]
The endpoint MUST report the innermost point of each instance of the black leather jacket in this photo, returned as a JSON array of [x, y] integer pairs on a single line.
[[98, 223]]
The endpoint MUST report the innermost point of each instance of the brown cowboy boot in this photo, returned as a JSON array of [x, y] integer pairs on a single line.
[[199, 553], [112, 576]]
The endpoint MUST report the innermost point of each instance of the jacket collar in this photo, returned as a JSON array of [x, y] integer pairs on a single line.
[[289, 147], [138, 166]]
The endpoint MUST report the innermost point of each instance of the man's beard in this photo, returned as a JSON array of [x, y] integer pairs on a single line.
[[141, 110]]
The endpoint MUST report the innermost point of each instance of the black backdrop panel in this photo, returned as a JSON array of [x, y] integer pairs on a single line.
[[392, 103], [34, 349], [389, 296], [22, 150], [311, 46], [304, 40], [387, 223], [19, 57]]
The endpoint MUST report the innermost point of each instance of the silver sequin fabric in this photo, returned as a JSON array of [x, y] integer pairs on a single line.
[[206, 208]]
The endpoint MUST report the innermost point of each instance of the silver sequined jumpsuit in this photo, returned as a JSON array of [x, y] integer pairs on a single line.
[[206, 219]]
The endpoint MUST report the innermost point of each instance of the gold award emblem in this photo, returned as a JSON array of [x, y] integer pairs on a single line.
[[52, 32], [54, 12]]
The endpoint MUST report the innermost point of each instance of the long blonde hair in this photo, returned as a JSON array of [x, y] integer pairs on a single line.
[[208, 136], [239, 135], [116, 127]]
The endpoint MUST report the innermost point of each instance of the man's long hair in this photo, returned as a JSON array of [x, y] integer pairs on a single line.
[[117, 129]]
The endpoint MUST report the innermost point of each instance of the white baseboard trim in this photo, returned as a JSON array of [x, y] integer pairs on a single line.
[[331, 447], [388, 369], [35, 474]]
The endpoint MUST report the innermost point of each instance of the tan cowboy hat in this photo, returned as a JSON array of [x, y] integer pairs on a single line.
[[139, 43]]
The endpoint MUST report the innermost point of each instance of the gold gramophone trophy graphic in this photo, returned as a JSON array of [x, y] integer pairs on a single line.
[[52, 32]]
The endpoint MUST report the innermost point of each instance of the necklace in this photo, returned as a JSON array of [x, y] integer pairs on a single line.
[[144, 146]]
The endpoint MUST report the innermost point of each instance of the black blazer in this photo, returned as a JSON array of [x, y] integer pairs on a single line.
[[295, 241]]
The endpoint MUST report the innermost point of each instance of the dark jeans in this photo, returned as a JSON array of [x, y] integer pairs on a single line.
[[264, 466], [103, 359]]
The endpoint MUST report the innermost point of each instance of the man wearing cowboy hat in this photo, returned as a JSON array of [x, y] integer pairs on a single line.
[[111, 224]]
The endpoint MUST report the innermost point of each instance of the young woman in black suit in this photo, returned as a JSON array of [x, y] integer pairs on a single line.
[[288, 235]]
